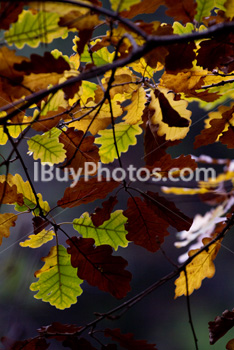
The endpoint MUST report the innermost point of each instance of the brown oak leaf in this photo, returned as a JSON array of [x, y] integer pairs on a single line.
[[144, 227], [98, 267]]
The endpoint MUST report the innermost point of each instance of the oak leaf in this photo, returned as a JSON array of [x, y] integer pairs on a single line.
[[144, 227], [127, 341], [167, 210], [216, 126], [9, 193], [37, 240], [125, 136], [86, 192], [42, 64], [111, 232], [79, 149], [102, 214], [29, 29], [53, 330], [9, 13], [47, 147], [171, 115], [166, 164], [200, 267], [58, 283], [136, 107], [7, 221], [154, 145], [94, 120], [221, 325], [98, 267]]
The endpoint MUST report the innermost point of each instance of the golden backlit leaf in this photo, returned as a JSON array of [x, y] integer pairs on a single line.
[[170, 114], [136, 107], [198, 269]]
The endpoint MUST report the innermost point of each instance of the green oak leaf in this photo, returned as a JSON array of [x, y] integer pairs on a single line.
[[125, 136], [47, 147], [111, 232], [33, 29], [204, 7], [121, 5], [58, 282]]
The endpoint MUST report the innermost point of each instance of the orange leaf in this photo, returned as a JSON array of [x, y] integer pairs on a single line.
[[77, 157], [7, 220]]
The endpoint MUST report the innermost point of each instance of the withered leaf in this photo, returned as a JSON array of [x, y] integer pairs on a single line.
[[79, 149], [42, 64], [127, 341], [9, 195], [167, 210], [87, 191], [98, 267], [221, 325], [166, 163], [103, 214], [180, 56], [39, 224], [217, 53], [9, 12], [144, 227]]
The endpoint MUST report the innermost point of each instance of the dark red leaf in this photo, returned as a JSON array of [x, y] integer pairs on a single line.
[[43, 64], [217, 53], [167, 210], [166, 164], [98, 267], [103, 214], [55, 329], [144, 227], [228, 137], [86, 192], [39, 224], [9, 12], [221, 325], [127, 341], [37, 343], [78, 344], [181, 10], [180, 57]]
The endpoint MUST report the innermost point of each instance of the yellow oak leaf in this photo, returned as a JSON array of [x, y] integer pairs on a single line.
[[170, 114], [198, 269], [36, 241], [136, 107], [25, 194], [7, 220], [100, 120]]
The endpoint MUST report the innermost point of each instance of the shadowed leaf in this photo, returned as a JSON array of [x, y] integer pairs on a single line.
[[127, 341], [144, 227], [98, 267], [220, 326], [87, 191], [102, 214]]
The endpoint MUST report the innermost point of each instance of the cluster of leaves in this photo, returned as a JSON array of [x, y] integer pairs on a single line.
[[91, 107]]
